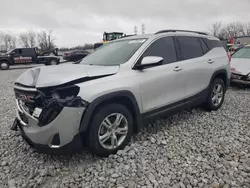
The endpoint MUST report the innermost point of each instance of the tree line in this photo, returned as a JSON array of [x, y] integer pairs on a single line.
[[45, 40], [228, 31]]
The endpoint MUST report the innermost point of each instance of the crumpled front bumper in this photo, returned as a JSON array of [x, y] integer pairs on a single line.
[[60, 134], [242, 82]]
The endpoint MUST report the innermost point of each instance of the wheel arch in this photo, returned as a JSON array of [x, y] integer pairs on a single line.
[[124, 97], [222, 74], [5, 59]]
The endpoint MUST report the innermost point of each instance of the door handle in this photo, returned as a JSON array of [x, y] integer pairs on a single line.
[[177, 69], [210, 61]]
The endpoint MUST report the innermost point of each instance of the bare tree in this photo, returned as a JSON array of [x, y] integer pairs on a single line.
[[216, 29], [247, 29], [12, 42], [32, 38], [8, 41], [23, 40], [228, 31], [46, 40], [27, 39], [234, 29]]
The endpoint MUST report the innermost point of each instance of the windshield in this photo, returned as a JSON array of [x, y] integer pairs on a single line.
[[113, 53], [242, 53], [9, 52]]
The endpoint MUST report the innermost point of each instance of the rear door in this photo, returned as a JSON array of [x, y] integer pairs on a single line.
[[197, 64], [27, 55], [161, 85]]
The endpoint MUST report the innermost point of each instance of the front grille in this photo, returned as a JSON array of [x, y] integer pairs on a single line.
[[28, 99]]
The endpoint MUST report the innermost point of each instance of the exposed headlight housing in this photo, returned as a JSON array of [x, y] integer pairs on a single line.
[[56, 99]]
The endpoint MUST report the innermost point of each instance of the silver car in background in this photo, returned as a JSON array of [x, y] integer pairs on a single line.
[[240, 66]]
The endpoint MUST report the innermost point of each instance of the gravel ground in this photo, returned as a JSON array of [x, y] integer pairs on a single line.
[[190, 149]]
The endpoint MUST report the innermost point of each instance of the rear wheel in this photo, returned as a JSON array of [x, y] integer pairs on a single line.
[[110, 130], [4, 65], [216, 95]]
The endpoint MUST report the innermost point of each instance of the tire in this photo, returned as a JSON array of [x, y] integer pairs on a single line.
[[4, 65], [215, 104], [53, 62], [97, 130]]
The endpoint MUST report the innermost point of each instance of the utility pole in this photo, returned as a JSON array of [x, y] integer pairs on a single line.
[[143, 29], [135, 30]]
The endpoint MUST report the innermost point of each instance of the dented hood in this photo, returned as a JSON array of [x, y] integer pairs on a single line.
[[241, 65], [62, 74]]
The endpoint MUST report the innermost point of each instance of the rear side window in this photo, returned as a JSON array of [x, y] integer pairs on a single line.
[[190, 47], [27, 51], [163, 47]]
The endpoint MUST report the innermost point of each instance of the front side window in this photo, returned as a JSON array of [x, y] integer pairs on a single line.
[[163, 47], [190, 47], [113, 53], [242, 53]]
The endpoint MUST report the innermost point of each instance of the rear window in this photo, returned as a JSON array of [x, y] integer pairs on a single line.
[[190, 47]]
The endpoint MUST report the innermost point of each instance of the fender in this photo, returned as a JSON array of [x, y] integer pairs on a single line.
[[219, 72], [6, 59], [85, 121]]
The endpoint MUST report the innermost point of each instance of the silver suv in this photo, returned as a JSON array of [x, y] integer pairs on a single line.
[[115, 90]]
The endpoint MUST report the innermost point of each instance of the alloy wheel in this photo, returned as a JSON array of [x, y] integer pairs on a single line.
[[113, 131], [217, 94]]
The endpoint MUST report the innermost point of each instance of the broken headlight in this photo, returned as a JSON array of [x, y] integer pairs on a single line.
[[57, 100]]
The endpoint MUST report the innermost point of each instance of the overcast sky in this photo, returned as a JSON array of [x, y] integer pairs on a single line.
[[76, 22]]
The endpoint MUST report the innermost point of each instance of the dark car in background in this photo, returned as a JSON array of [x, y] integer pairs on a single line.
[[19, 56], [75, 55]]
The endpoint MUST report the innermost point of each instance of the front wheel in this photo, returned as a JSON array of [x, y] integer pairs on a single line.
[[4, 65], [216, 95], [110, 130]]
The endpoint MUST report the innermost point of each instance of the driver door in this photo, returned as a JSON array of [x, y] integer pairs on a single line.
[[162, 86], [16, 55]]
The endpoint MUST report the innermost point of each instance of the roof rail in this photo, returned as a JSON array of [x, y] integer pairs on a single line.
[[176, 30]]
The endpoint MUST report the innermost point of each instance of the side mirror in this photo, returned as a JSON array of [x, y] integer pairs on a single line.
[[150, 61], [13, 52]]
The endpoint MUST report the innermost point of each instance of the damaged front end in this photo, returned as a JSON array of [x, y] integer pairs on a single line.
[[44, 104]]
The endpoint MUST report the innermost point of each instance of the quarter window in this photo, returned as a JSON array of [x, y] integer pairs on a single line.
[[204, 46], [163, 47], [190, 47]]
